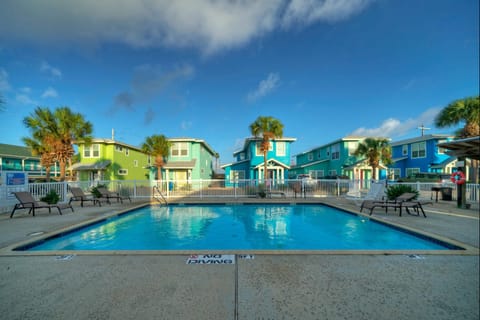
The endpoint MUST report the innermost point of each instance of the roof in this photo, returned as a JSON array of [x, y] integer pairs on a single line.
[[185, 139], [422, 138], [444, 163], [260, 165], [399, 159], [347, 138], [16, 151], [100, 165], [311, 163], [468, 147]]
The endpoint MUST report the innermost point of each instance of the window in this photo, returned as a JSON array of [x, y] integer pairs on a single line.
[[310, 156], [281, 146], [418, 150], [122, 172], [127, 151], [316, 174], [335, 151], [258, 148], [242, 156], [236, 175], [179, 149], [118, 148], [332, 173], [410, 171], [394, 173], [319, 154], [441, 150], [92, 151], [405, 150], [135, 163]]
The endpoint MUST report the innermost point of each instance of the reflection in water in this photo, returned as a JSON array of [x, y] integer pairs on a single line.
[[237, 227]]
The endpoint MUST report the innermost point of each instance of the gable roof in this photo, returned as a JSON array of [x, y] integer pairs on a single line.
[[422, 138]]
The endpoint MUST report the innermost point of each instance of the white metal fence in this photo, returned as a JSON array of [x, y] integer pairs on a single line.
[[142, 189]]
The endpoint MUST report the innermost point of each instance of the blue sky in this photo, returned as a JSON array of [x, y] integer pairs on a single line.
[[207, 69]]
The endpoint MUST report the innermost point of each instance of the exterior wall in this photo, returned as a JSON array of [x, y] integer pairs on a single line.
[[434, 160], [327, 160], [130, 163], [249, 161]]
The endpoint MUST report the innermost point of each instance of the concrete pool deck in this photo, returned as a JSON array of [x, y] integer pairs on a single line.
[[295, 286]]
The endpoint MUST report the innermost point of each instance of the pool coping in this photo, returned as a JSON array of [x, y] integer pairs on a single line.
[[12, 250]]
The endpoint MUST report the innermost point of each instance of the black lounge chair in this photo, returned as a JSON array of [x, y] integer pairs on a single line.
[[79, 195], [406, 200], [112, 195], [27, 201]]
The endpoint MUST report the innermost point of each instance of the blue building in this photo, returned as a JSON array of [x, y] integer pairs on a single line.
[[421, 154], [249, 161]]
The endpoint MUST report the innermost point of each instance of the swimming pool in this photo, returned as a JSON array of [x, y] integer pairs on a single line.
[[238, 227]]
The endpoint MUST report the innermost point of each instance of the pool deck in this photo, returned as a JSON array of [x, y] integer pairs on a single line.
[[300, 285]]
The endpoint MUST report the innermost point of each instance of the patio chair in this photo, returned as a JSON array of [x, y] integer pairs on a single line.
[[27, 201], [405, 200], [112, 195], [79, 195], [375, 193]]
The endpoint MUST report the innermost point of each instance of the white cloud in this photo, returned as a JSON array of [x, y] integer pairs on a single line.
[[265, 87], [4, 84], [50, 93], [23, 96], [304, 12], [209, 25], [396, 128], [50, 70]]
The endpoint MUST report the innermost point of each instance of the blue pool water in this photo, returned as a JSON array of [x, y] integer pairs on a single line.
[[237, 227]]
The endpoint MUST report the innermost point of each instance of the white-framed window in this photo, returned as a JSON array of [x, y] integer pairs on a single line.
[[419, 150], [179, 149], [316, 174], [281, 148], [410, 171], [92, 151], [405, 150], [335, 151], [394, 173], [135, 163], [236, 175], [127, 152], [242, 156], [310, 156], [332, 173], [258, 148], [118, 148], [122, 172]]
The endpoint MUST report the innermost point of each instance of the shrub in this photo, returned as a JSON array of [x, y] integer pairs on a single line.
[[398, 189], [51, 197], [95, 191]]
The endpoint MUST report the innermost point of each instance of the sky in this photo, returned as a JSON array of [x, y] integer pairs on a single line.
[[207, 69]]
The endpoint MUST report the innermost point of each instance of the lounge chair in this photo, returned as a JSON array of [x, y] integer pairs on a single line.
[[405, 200], [112, 195], [375, 193], [79, 195], [27, 201]]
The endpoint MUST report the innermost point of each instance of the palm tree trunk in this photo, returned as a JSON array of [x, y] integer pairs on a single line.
[[265, 173], [47, 173], [63, 166]]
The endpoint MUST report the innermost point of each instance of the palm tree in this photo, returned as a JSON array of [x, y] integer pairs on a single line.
[[47, 157], [59, 130], [159, 147], [463, 110], [269, 128], [375, 151]]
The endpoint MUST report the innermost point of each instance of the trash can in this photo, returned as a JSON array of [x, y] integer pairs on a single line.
[[447, 194]]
